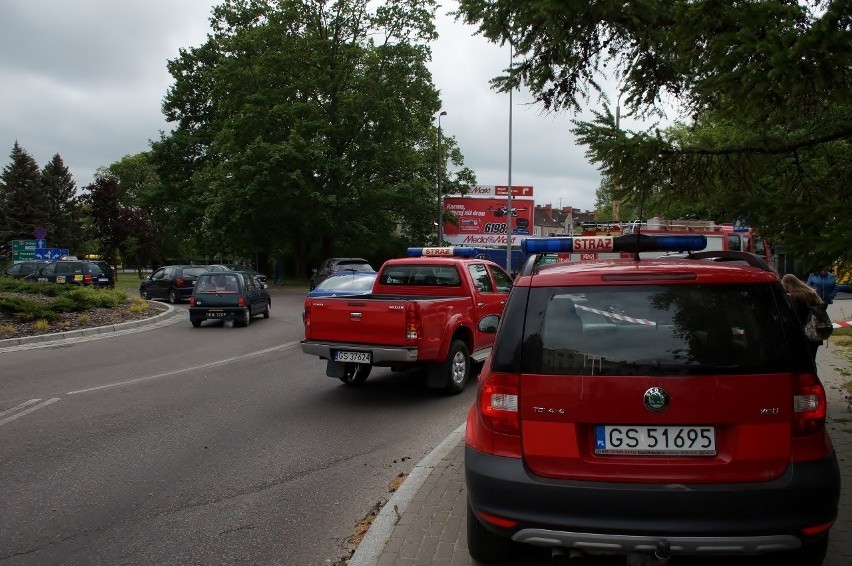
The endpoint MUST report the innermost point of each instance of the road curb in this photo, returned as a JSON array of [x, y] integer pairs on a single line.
[[169, 316], [371, 546]]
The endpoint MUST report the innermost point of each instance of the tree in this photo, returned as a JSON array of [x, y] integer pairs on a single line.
[[762, 88], [64, 228], [104, 213], [306, 127], [23, 205]]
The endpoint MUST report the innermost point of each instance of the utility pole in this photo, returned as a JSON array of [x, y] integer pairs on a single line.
[[440, 174], [509, 197]]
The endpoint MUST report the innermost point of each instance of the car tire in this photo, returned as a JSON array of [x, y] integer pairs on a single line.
[[174, 298], [144, 294], [356, 374], [453, 373], [483, 545], [195, 323], [266, 311], [245, 320]]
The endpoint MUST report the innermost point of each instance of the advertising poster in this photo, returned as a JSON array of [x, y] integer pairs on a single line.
[[482, 221]]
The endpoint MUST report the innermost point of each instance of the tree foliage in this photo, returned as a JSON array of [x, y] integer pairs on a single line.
[[64, 226], [762, 89], [23, 203], [305, 127]]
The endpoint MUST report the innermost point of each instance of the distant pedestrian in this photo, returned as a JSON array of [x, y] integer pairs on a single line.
[[802, 297], [279, 273], [825, 284]]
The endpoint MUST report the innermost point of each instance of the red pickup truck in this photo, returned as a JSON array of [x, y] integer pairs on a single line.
[[437, 308]]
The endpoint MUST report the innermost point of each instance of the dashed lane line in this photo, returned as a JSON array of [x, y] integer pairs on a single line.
[[28, 410], [184, 370]]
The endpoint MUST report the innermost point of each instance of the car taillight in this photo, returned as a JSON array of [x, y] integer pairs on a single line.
[[192, 301], [180, 282], [413, 325], [241, 302], [808, 404], [493, 422], [87, 280], [498, 402], [810, 439], [306, 319]]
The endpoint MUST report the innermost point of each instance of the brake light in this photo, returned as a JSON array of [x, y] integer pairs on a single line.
[[87, 279], [241, 302], [180, 282], [306, 318], [809, 405], [192, 301], [498, 402], [413, 324]]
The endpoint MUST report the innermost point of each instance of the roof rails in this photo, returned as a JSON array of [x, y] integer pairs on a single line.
[[731, 255]]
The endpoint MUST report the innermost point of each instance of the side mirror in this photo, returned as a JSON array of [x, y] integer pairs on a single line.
[[149, 277], [489, 324], [314, 271]]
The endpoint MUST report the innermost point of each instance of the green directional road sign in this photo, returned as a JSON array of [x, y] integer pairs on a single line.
[[23, 245]]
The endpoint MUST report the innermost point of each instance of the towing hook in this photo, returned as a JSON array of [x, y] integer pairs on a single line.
[[663, 552]]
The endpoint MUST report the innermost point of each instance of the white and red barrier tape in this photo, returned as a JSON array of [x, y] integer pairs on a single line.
[[842, 324], [618, 316]]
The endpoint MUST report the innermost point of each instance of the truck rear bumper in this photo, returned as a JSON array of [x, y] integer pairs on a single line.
[[380, 355]]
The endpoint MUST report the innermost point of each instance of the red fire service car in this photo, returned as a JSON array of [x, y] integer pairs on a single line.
[[642, 407]]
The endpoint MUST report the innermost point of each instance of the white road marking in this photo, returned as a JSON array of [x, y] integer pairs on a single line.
[[184, 370], [30, 410], [21, 406]]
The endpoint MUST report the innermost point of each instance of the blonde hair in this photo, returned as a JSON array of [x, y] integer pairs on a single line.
[[800, 290]]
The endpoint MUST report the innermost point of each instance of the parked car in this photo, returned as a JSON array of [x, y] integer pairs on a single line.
[[21, 269], [345, 283], [334, 264], [633, 406], [172, 282], [229, 295], [108, 271], [71, 272], [235, 267]]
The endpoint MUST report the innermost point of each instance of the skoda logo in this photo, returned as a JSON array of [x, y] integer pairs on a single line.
[[656, 399]]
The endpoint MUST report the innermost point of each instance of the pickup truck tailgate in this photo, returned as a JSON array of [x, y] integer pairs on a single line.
[[361, 321]]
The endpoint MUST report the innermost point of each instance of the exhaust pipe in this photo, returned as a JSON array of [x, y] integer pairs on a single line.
[[557, 553]]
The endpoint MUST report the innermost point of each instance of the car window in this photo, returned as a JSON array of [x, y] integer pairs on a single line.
[[653, 330], [347, 283], [64, 268], [48, 270], [159, 274], [250, 283], [353, 265], [501, 279], [169, 272], [193, 271], [421, 275], [481, 279], [13, 269]]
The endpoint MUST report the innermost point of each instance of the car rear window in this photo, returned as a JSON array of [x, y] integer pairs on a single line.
[[193, 271], [654, 330], [421, 275], [352, 265], [219, 282]]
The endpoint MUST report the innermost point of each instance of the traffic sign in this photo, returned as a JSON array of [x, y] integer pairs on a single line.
[[50, 253], [23, 245]]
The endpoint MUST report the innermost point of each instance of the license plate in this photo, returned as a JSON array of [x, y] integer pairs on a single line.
[[213, 314], [356, 357], [655, 440]]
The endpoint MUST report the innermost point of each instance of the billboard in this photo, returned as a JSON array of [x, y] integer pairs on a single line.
[[520, 191], [482, 221]]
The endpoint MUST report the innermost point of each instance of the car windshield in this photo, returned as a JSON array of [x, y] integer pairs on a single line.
[[352, 266], [653, 330]]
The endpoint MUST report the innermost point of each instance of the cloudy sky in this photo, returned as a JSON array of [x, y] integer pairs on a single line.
[[86, 80]]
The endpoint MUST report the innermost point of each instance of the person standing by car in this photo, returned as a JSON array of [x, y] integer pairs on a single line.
[[825, 285], [802, 297]]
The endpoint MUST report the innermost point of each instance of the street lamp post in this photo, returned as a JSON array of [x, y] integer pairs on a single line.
[[440, 174]]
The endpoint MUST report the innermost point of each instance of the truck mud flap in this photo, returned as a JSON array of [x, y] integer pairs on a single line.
[[335, 369]]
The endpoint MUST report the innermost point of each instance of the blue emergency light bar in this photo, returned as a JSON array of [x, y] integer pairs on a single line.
[[449, 251], [632, 243]]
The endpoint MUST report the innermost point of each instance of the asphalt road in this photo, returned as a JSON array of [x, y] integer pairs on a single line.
[[213, 445]]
